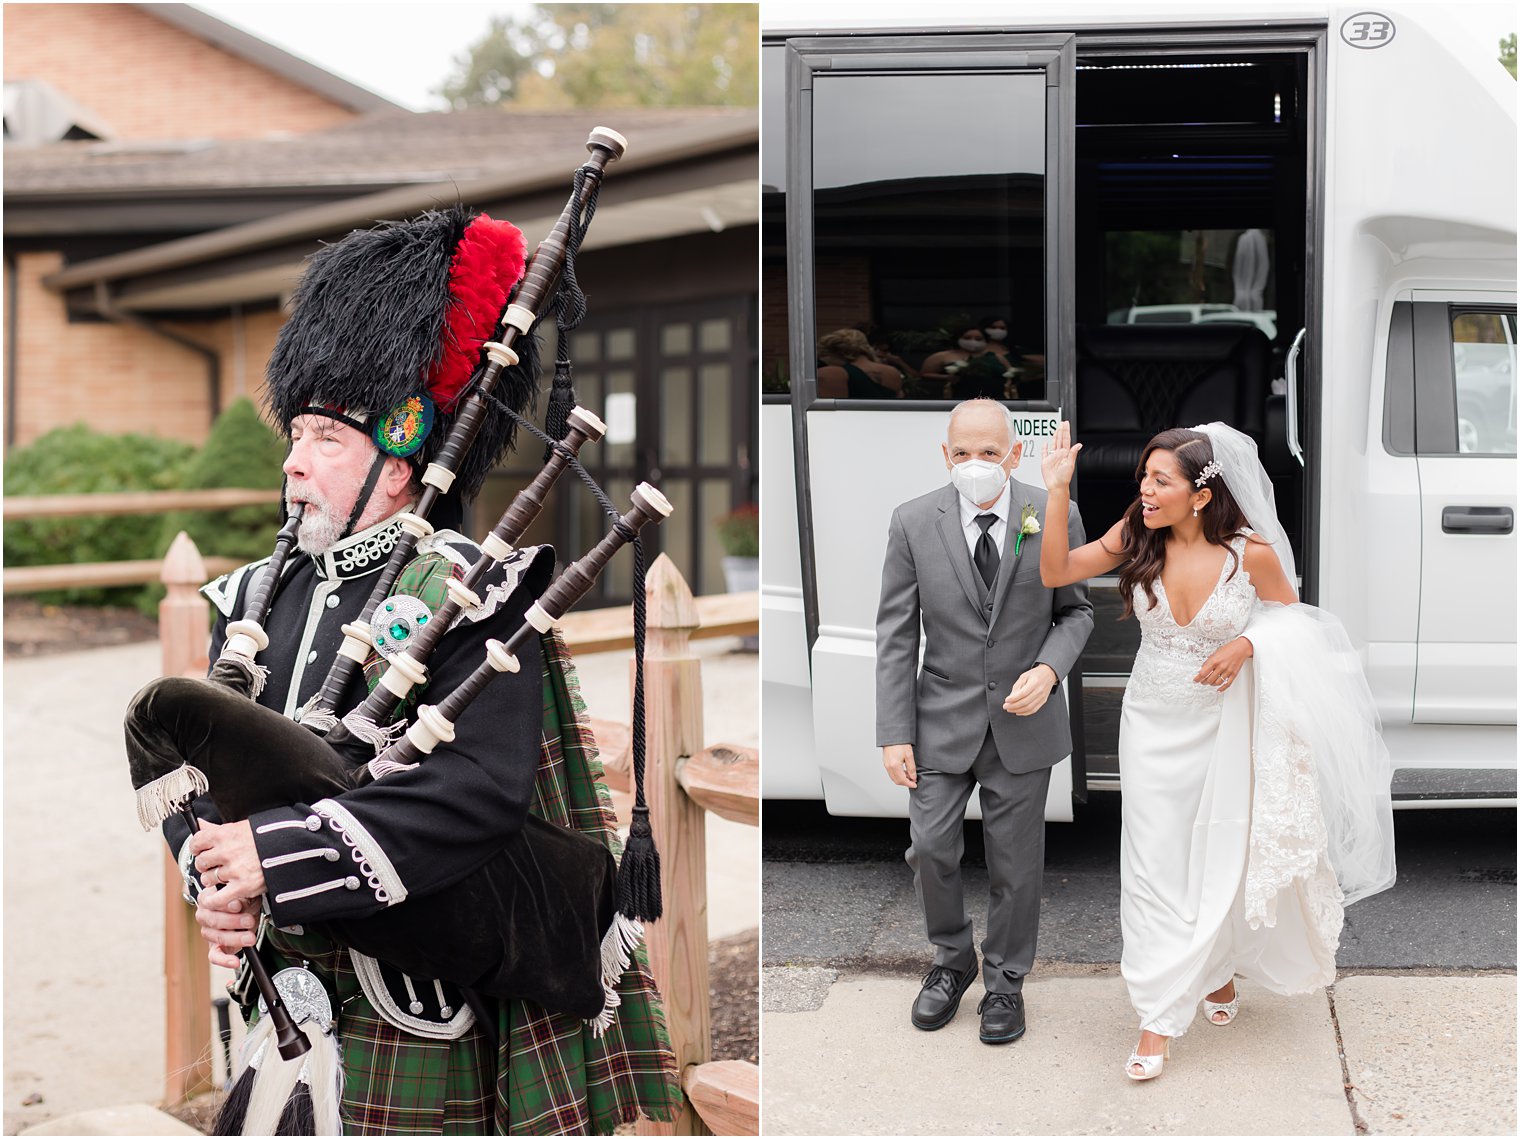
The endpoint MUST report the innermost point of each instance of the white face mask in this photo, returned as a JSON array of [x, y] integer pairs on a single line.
[[996, 333], [978, 480], [972, 345]]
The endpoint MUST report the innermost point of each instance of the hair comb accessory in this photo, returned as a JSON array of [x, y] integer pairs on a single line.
[[1210, 469]]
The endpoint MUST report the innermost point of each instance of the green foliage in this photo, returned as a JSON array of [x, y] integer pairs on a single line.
[[1507, 53], [240, 452], [613, 55], [739, 531], [77, 460]]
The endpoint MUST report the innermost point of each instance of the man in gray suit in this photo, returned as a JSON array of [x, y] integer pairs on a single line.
[[986, 709]]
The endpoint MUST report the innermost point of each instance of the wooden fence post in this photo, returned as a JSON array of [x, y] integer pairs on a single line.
[[678, 941], [183, 629]]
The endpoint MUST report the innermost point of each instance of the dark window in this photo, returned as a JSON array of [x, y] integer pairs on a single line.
[[929, 221]]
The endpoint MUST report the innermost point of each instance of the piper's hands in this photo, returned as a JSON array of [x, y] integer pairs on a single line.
[[898, 760], [1031, 690], [1058, 459], [1221, 669], [228, 860], [227, 924]]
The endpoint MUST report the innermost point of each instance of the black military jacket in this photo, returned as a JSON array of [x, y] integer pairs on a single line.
[[413, 831]]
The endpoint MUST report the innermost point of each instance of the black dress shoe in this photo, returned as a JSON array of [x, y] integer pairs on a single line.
[[1002, 1017], [941, 996]]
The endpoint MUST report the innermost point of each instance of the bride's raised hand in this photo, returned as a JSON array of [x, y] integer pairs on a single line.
[[1058, 460]]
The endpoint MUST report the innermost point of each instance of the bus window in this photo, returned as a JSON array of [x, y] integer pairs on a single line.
[[929, 225]]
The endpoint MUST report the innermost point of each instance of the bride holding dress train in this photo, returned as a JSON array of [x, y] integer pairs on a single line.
[[1256, 798]]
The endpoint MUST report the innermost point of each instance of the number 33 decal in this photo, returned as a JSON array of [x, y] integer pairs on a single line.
[[1368, 30]]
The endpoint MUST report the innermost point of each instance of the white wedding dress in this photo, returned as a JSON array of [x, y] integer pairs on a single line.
[[1225, 865]]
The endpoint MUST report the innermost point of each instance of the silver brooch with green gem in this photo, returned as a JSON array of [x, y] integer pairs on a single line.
[[397, 622]]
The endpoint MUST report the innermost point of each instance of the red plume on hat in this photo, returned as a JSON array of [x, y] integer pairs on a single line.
[[400, 309], [488, 262]]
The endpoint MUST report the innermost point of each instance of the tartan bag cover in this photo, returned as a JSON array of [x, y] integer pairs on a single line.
[[550, 1075]]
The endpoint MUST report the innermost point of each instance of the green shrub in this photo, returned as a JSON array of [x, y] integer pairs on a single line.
[[241, 452], [77, 460]]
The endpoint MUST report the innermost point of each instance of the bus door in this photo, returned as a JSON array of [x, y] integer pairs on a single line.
[[927, 192]]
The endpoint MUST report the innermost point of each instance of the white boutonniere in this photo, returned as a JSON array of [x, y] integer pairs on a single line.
[[1029, 523]]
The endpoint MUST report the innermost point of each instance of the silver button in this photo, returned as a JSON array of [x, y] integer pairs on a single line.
[[330, 854], [313, 823], [332, 601], [351, 883], [311, 657]]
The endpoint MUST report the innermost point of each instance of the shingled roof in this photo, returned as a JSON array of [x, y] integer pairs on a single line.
[[383, 148]]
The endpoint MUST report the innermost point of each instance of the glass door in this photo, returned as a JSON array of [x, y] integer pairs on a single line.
[[928, 206]]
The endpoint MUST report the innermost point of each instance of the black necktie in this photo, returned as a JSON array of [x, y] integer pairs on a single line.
[[986, 555]]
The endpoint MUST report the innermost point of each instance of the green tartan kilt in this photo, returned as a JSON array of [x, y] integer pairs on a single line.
[[549, 1075]]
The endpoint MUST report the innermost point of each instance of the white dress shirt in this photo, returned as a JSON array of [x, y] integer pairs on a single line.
[[973, 532]]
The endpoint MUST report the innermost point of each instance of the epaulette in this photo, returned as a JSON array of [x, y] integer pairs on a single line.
[[223, 592]]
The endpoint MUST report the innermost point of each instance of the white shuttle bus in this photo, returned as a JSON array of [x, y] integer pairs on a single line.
[[1303, 226]]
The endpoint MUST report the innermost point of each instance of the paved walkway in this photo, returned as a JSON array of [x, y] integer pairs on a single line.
[[1380, 1055], [84, 1021]]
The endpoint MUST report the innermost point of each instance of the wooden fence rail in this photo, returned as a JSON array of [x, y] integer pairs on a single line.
[[16, 507], [682, 782], [98, 575]]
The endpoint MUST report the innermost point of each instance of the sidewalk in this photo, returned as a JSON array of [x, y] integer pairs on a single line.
[[1423, 1055], [84, 989]]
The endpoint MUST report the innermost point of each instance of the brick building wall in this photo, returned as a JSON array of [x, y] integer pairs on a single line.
[[119, 378], [147, 79]]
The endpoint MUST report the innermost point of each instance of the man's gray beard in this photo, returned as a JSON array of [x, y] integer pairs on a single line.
[[320, 527], [322, 523]]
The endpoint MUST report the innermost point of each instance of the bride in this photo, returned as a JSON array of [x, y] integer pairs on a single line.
[[1255, 785]]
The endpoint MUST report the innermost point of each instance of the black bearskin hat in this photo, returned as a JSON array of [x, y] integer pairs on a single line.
[[401, 310]]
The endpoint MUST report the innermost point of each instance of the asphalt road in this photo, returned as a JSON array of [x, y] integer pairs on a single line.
[[836, 892]]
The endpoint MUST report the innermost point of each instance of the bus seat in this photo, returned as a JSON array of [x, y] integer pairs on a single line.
[[1135, 380]]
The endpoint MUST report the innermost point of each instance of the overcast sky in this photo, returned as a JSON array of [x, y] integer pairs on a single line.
[[403, 51]]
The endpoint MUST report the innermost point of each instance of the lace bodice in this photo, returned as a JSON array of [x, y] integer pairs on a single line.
[[1170, 654]]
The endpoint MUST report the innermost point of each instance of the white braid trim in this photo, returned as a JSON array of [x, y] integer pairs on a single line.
[[363, 728], [258, 675], [165, 795], [617, 955], [380, 767], [317, 718]]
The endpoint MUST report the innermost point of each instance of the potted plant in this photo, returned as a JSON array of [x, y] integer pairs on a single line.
[[739, 535]]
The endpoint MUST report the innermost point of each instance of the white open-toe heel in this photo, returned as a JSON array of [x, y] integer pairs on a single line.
[[1211, 1009], [1150, 1066]]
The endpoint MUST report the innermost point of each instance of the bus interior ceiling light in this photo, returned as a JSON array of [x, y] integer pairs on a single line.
[[1156, 66]]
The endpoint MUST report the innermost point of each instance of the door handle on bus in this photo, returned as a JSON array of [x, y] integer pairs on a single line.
[[1290, 379], [1477, 520]]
